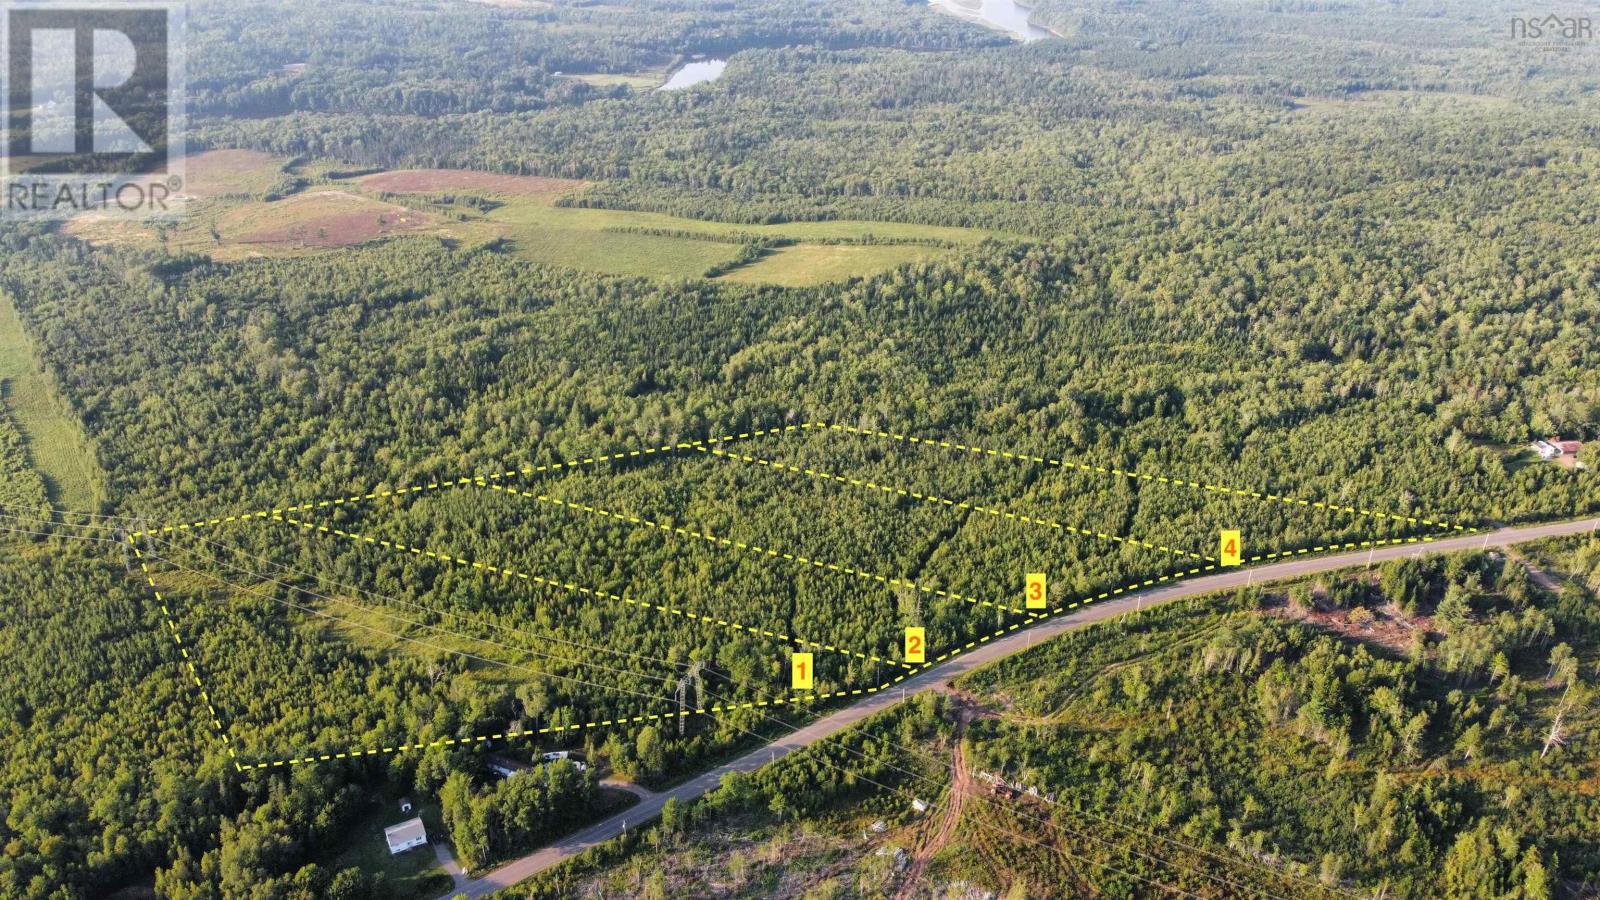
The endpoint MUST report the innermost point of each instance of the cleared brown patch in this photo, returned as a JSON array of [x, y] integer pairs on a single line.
[[1388, 626], [322, 219], [435, 181]]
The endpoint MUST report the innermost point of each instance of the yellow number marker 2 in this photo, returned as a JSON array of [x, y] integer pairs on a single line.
[[804, 672], [916, 645], [1232, 548], [1037, 595]]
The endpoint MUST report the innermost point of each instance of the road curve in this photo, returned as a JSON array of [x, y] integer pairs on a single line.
[[1231, 579]]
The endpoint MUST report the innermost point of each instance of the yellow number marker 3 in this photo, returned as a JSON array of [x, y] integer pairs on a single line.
[[1036, 595]]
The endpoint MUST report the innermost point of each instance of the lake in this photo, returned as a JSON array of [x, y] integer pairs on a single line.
[[1005, 15], [695, 73]]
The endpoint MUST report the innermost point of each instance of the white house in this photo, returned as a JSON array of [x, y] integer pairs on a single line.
[[1555, 447], [404, 836]]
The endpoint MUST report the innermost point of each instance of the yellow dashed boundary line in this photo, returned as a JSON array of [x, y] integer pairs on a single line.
[[856, 692], [953, 504], [557, 729], [183, 650], [278, 514], [754, 548], [576, 588], [786, 429], [1104, 470], [468, 479]]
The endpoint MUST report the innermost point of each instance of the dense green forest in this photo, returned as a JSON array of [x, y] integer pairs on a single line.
[[22, 487], [360, 57], [1277, 743], [1304, 251]]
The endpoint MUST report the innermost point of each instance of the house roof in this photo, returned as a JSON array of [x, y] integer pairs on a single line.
[[405, 832]]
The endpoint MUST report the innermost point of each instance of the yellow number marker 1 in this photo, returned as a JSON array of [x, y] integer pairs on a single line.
[[916, 645], [805, 675], [1037, 595], [1232, 548]]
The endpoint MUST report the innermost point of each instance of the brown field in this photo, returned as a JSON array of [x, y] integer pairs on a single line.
[[438, 181], [321, 219], [227, 218]]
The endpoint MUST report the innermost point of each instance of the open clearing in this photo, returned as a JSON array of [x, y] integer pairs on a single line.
[[229, 218], [217, 173], [639, 81], [805, 264], [56, 445], [322, 219], [615, 253], [413, 875]]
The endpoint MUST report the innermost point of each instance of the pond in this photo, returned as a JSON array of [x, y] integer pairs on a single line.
[[694, 73], [1005, 15]]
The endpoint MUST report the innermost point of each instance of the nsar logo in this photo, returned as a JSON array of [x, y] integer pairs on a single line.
[[1552, 32]]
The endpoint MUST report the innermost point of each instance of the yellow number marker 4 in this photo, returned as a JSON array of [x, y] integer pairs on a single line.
[[1036, 594], [1231, 548], [803, 671], [916, 645]]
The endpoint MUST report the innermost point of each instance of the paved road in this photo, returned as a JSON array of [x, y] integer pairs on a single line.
[[647, 809]]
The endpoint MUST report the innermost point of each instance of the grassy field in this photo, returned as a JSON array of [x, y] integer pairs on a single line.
[[639, 81], [227, 219], [590, 239], [803, 264], [237, 172], [545, 215], [621, 254], [55, 443]]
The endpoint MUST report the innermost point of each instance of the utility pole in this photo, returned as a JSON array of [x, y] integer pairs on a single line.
[[683, 692]]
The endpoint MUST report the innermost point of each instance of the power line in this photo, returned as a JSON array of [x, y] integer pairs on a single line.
[[326, 615], [733, 725], [529, 635], [532, 635], [1114, 823], [1275, 873], [413, 622], [52, 534]]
